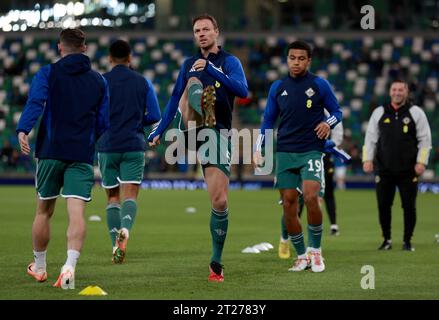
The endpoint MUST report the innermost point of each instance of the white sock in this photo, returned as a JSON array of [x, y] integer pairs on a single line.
[[126, 232], [40, 260], [283, 240], [72, 258]]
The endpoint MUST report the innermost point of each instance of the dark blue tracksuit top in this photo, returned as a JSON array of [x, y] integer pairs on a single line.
[[300, 103], [133, 106], [74, 101], [225, 72]]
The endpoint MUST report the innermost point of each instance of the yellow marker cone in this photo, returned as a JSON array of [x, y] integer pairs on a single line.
[[93, 291]]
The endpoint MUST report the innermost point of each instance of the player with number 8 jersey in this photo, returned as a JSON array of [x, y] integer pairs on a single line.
[[299, 100]]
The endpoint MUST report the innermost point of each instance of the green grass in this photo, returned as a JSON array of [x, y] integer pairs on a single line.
[[169, 251]]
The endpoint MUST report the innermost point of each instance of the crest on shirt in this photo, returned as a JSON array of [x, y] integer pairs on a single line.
[[387, 120], [310, 92], [406, 120]]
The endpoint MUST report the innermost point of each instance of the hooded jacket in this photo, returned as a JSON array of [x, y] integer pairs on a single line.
[[74, 102], [133, 106]]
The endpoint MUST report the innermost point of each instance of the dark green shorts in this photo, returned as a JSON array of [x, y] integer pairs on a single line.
[[321, 191], [75, 178], [214, 149], [221, 145], [299, 189], [293, 168], [121, 167]]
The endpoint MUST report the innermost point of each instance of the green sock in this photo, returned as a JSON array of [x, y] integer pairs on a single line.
[[283, 228], [128, 213], [298, 243], [315, 235], [195, 92], [113, 220], [219, 222]]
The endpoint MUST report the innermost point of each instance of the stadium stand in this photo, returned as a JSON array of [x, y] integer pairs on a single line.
[[359, 68]]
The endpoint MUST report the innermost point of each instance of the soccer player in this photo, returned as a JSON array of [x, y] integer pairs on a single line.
[[205, 90], [121, 149], [300, 99], [397, 146], [327, 194], [330, 150], [74, 103]]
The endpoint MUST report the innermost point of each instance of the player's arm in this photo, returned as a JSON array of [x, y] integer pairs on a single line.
[[38, 95], [270, 115], [371, 139], [233, 77], [170, 109], [331, 103], [103, 118], [423, 135], [337, 132], [152, 114]]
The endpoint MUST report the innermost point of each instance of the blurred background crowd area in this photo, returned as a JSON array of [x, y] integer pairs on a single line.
[[359, 64]]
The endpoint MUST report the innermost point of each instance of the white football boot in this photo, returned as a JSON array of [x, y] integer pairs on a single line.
[[315, 256], [66, 279], [302, 262]]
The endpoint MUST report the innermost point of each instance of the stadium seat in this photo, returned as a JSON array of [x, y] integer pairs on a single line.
[[360, 70]]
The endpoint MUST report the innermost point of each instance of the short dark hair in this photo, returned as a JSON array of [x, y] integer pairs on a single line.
[[301, 45], [120, 49], [72, 38], [205, 16], [399, 81]]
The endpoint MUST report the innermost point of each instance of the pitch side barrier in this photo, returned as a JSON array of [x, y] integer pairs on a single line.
[[250, 185]]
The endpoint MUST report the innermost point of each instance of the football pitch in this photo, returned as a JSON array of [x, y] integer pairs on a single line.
[[169, 250]]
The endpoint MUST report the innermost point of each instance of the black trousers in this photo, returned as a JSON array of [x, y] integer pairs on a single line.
[[329, 190], [385, 190]]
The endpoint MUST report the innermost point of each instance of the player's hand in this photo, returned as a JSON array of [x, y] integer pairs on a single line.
[[419, 169], [368, 166], [199, 65], [323, 130], [258, 159], [155, 142], [23, 139]]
